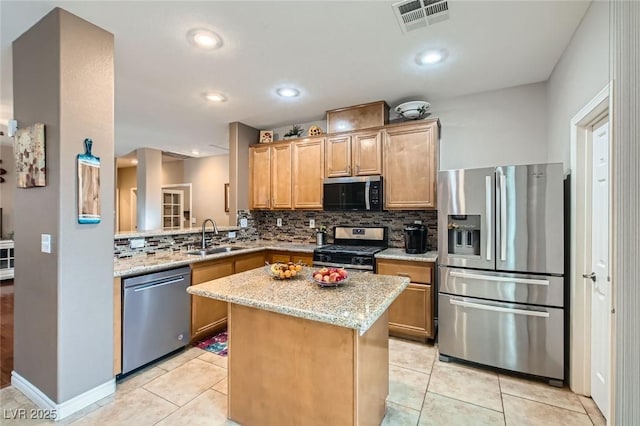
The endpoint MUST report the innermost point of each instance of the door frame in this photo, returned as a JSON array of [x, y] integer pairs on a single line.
[[580, 337]]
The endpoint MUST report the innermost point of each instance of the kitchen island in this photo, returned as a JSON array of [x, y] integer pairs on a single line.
[[302, 354]]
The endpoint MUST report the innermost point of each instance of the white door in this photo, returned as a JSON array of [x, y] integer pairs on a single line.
[[601, 285]]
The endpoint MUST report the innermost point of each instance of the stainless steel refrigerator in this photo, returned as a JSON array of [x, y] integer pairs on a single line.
[[501, 263]]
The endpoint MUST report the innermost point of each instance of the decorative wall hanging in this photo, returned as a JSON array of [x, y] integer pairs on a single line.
[[88, 185], [266, 136], [295, 132], [226, 197], [29, 152]]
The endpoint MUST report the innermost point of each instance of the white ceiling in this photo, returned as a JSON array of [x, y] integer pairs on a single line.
[[337, 53]]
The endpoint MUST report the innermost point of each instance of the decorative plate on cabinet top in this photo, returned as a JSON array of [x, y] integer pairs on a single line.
[[413, 110]]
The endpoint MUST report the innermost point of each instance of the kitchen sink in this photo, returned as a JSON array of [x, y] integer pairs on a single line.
[[215, 250]]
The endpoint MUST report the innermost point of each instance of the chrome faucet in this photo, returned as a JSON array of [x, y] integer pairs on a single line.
[[204, 224]]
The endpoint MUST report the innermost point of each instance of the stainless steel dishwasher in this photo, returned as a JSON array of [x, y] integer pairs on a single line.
[[156, 316]]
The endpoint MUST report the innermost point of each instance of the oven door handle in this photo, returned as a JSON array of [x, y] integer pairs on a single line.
[[342, 265], [499, 309], [367, 201]]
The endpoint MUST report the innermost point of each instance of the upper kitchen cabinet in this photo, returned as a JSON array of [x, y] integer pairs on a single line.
[[308, 173], [270, 174], [410, 165], [356, 154]]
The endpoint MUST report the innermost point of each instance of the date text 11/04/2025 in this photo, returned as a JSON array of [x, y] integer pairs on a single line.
[[28, 413]]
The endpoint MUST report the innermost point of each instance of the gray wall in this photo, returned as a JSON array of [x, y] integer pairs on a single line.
[[63, 76], [583, 70], [240, 137], [506, 126]]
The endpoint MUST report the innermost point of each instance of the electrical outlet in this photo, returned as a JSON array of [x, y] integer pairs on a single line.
[[136, 243], [279, 222], [243, 222], [232, 234], [193, 221], [312, 223], [417, 222]]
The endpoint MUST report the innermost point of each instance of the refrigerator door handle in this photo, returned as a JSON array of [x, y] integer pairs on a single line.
[[503, 218], [488, 207], [499, 309], [499, 279]]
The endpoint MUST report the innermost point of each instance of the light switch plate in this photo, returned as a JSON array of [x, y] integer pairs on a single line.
[[417, 222], [312, 223], [45, 243], [279, 221], [243, 222], [193, 221], [232, 234]]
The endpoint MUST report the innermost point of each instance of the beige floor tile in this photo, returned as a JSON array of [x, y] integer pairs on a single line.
[[523, 412], [222, 386], [180, 358], [540, 392], [220, 361], [186, 382], [139, 379], [138, 407], [397, 415], [413, 355], [208, 409], [593, 411], [12, 393], [466, 384], [22, 415], [407, 387], [78, 415], [440, 410]]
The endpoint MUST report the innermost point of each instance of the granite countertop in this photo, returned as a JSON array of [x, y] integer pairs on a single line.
[[171, 259], [356, 304], [400, 254]]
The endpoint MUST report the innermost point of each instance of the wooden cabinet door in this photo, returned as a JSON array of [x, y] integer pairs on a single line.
[[338, 156], [409, 311], [366, 149], [279, 258], [259, 177], [208, 315], [308, 173], [281, 177], [410, 167], [248, 262], [304, 258]]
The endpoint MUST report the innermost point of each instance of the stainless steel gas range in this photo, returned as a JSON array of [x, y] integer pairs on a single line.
[[353, 248]]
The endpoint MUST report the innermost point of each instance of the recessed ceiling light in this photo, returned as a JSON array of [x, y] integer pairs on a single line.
[[206, 39], [134, 161], [215, 97], [288, 92], [431, 57], [195, 152]]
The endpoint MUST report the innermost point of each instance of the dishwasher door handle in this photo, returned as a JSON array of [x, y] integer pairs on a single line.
[[157, 284]]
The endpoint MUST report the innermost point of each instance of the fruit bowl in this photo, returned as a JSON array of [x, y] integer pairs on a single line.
[[284, 271], [330, 277]]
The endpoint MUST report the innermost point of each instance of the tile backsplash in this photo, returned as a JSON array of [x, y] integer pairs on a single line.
[[295, 224]]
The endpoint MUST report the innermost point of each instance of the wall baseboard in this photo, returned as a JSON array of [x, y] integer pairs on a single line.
[[66, 408]]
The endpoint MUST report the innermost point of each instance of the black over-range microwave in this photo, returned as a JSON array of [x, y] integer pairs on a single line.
[[353, 193]]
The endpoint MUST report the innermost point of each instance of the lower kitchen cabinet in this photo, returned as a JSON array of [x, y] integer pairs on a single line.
[[208, 315], [288, 256], [411, 314]]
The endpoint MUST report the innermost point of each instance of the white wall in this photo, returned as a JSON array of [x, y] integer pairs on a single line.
[[506, 126], [583, 70], [7, 189], [208, 176]]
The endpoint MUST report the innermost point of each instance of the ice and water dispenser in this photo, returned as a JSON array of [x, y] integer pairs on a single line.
[[464, 234]]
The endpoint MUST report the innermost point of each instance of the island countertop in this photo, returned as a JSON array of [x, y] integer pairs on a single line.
[[356, 304]]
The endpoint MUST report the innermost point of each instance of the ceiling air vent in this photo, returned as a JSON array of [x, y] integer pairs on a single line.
[[415, 14]]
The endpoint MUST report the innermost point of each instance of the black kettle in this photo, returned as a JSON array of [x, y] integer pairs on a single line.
[[415, 238]]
